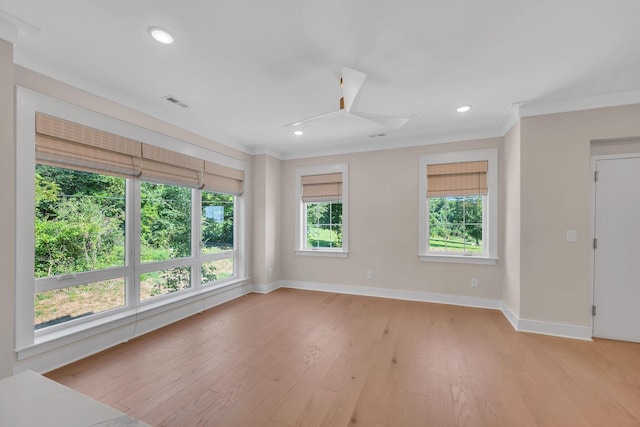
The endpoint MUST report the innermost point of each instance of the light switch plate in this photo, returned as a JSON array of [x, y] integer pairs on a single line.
[[572, 235]]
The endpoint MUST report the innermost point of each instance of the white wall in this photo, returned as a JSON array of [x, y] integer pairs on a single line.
[[266, 218], [616, 146], [7, 209], [511, 237], [383, 228], [556, 276]]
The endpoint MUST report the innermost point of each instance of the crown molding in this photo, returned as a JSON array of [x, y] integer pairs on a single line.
[[555, 106]]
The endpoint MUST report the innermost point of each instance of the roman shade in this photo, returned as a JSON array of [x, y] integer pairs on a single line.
[[223, 179], [66, 144], [168, 167], [71, 145], [322, 188], [457, 179]]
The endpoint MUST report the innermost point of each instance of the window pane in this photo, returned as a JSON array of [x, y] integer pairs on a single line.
[[324, 225], [217, 222], [473, 237], [473, 210], [336, 213], [164, 282], [62, 305], [455, 224], [79, 221], [336, 236], [217, 270], [165, 222]]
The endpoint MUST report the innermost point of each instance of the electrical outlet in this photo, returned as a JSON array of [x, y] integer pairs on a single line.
[[369, 275], [474, 282]]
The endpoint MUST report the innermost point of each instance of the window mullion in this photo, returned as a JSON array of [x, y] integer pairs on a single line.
[[236, 239], [196, 239], [133, 241], [485, 226]]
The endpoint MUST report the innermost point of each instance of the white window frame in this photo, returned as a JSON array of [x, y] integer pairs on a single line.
[[28, 341], [300, 246], [204, 258], [489, 210]]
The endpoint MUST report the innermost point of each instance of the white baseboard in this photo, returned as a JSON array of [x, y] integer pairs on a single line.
[[563, 330], [510, 315], [466, 301], [265, 288], [521, 325]]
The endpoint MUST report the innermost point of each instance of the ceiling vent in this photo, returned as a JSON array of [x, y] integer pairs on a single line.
[[176, 101]]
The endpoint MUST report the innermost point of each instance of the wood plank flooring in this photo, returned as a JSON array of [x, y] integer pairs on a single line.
[[301, 358]]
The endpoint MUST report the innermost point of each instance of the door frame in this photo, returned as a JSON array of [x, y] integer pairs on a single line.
[[594, 160]]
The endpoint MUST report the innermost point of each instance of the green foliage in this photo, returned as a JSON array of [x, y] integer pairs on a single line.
[[324, 224], [217, 233], [80, 231], [80, 226], [165, 222], [172, 280], [208, 271], [455, 223]]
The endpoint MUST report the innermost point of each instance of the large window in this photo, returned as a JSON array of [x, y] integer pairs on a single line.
[[458, 207], [165, 234], [218, 237], [165, 222], [79, 244], [322, 211], [120, 225]]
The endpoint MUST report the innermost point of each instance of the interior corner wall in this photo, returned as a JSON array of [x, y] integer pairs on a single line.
[[383, 230], [512, 225], [272, 219], [7, 209], [556, 276], [266, 206]]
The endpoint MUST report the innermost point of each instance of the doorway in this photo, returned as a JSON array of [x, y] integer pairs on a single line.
[[616, 287]]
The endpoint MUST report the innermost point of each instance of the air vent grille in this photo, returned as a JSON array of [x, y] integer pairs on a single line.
[[176, 101]]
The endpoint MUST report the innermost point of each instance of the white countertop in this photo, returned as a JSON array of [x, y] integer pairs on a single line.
[[28, 399]]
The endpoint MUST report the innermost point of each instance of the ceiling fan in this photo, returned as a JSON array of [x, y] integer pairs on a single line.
[[351, 83]]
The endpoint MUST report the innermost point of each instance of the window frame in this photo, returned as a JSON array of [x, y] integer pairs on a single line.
[[305, 225], [28, 340], [489, 211], [300, 234], [211, 257]]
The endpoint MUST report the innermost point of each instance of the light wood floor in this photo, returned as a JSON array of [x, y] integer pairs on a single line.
[[300, 358]]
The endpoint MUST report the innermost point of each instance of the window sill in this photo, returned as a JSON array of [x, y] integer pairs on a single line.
[[321, 252], [458, 259], [123, 318]]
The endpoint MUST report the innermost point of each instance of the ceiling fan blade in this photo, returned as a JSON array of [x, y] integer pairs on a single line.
[[317, 117], [352, 81], [388, 121]]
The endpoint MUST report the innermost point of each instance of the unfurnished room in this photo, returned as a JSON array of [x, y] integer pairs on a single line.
[[319, 213]]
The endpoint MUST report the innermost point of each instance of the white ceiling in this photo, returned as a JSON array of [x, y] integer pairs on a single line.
[[248, 67]]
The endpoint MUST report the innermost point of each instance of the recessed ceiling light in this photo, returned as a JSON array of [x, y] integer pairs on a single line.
[[298, 133], [463, 108], [161, 35]]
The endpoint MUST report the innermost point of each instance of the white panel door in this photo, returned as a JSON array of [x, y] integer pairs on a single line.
[[617, 256]]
